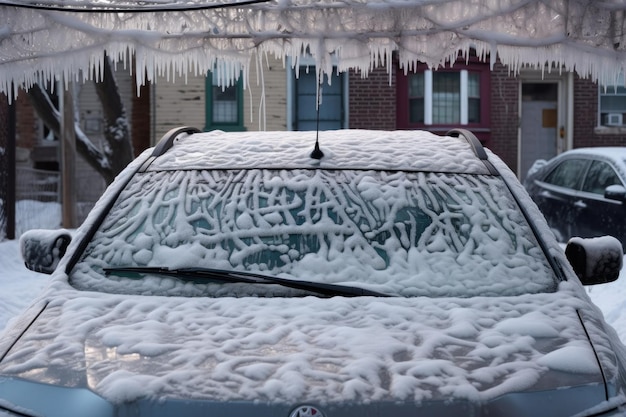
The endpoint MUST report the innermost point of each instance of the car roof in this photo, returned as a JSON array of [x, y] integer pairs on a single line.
[[409, 150], [614, 154], [610, 152]]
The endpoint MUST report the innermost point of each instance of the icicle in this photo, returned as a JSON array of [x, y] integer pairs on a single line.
[[262, 104]]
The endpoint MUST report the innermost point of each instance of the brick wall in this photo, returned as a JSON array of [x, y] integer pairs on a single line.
[[586, 118], [373, 106], [585, 112], [27, 122], [372, 100], [504, 115]]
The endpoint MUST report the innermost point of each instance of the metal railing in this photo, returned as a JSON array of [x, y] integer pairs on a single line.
[[37, 185], [37, 203]]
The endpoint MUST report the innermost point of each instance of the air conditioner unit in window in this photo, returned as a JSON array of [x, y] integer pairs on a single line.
[[613, 119]]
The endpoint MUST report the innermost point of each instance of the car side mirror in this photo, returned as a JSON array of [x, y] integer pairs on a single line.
[[43, 249], [615, 192], [596, 260]]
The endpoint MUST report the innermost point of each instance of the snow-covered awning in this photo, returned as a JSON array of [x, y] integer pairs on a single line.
[[54, 38]]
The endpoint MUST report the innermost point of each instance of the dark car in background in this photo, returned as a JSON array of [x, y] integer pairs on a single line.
[[314, 274], [582, 192]]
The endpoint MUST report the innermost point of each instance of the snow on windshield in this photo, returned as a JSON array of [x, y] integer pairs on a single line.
[[399, 233]]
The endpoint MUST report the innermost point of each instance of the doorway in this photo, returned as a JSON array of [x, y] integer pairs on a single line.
[[540, 124]]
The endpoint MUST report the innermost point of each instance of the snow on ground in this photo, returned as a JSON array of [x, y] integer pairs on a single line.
[[18, 285], [611, 298]]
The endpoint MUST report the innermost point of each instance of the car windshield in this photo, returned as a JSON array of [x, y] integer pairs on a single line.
[[394, 233]]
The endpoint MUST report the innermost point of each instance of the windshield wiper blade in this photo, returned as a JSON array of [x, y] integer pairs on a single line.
[[205, 275]]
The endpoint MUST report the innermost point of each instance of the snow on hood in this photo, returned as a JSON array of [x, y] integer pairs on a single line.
[[309, 349]]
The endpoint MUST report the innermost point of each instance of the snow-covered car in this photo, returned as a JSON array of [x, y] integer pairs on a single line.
[[303, 274], [582, 192]]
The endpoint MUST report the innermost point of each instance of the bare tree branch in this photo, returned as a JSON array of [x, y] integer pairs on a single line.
[[116, 132], [51, 117]]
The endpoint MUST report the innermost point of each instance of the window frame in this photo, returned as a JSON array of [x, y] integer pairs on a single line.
[[338, 81], [472, 66], [307, 64], [586, 180], [617, 89], [210, 124], [603, 116], [548, 179]]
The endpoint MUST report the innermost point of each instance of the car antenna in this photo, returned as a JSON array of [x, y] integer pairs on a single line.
[[317, 152]]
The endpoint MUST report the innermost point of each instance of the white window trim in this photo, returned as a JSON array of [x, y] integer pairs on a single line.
[[464, 97], [428, 97], [603, 91]]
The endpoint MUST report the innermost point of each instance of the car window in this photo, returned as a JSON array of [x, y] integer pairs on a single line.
[[568, 173], [406, 234], [600, 176]]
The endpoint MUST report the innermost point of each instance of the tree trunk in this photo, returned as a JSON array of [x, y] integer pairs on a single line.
[[119, 151], [51, 117], [116, 131]]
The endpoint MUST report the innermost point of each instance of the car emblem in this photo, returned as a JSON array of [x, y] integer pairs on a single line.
[[306, 411]]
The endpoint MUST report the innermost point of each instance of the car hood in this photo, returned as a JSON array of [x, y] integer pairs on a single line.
[[311, 350]]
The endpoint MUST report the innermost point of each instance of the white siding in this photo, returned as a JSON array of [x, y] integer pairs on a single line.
[[183, 103], [177, 104], [274, 75]]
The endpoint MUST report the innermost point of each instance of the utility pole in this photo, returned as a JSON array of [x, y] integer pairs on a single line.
[[11, 170], [68, 156]]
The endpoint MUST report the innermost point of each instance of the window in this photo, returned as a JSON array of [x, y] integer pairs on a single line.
[[612, 104], [224, 105], [445, 98], [568, 174], [600, 176], [302, 87], [303, 101]]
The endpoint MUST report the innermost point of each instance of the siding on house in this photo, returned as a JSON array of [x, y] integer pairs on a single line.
[[176, 104], [273, 75]]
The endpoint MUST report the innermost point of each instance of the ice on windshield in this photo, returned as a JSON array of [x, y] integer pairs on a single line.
[[399, 233]]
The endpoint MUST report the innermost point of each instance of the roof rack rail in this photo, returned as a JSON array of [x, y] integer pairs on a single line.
[[165, 143], [476, 146], [167, 140]]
